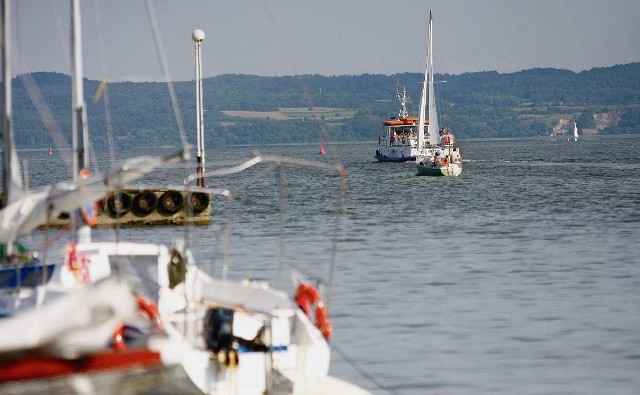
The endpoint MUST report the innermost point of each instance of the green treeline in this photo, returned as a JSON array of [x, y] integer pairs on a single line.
[[482, 104]]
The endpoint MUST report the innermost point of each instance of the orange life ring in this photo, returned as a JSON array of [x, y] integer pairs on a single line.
[[306, 297]]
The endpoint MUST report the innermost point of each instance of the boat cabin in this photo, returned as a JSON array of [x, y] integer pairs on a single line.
[[398, 140]]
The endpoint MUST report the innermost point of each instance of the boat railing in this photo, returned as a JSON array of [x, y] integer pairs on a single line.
[[279, 162]]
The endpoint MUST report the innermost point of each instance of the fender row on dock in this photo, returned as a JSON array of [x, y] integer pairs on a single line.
[[134, 207], [154, 207], [144, 206]]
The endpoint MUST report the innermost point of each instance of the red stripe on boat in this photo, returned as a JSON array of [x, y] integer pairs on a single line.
[[38, 367]]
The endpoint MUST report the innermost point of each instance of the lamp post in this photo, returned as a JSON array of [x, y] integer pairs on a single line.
[[198, 38]]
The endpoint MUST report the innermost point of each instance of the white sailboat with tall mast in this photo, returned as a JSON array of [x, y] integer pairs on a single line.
[[437, 153]]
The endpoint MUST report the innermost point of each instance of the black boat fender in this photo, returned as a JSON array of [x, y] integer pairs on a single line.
[[197, 202], [118, 204], [144, 203], [170, 203]]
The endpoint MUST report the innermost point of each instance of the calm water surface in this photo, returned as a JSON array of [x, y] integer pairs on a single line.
[[522, 276]]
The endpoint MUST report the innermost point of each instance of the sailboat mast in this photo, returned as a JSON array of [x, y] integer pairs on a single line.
[[423, 103], [11, 188], [11, 171], [434, 136], [80, 139]]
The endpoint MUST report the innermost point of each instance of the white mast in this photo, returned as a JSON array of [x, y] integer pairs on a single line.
[[434, 129], [198, 38], [11, 169], [80, 139], [423, 101]]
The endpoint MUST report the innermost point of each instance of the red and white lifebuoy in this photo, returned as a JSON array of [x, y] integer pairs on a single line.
[[308, 297]]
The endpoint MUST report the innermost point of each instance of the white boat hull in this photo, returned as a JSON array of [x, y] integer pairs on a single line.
[[297, 357], [399, 153], [453, 170]]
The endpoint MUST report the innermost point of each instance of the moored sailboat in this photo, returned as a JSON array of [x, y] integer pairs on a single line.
[[437, 153], [243, 337], [257, 339], [56, 330]]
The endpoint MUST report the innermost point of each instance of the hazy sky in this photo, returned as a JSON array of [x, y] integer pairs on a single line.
[[328, 37]]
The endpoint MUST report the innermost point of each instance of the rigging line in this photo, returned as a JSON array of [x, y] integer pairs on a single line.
[[305, 89], [244, 186], [281, 209], [50, 239], [91, 154], [276, 163], [360, 370], [174, 101], [61, 35], [443, 108], [339, 232], [217, 235], [46, 116], [103, 69], [165, 70], [37, 99], [227, 245], [439, 99]]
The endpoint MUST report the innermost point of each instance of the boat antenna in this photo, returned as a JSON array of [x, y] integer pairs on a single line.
[[403, 99]]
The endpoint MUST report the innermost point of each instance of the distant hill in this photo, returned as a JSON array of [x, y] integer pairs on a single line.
[[246, 109]]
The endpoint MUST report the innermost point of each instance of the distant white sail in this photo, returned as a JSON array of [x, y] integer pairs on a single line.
[[575, 130]]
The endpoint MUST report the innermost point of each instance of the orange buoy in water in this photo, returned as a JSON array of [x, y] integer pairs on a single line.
[[321, 147]]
